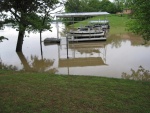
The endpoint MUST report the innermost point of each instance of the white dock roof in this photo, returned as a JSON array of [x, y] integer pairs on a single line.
[[81, 14]]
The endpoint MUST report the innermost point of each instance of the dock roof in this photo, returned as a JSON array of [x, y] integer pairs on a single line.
[[81, 14]]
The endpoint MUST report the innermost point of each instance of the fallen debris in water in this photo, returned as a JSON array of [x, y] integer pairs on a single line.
[[52, 40]]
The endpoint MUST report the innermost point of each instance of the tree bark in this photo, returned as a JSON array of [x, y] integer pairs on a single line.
[[20, 40], [41, 44]]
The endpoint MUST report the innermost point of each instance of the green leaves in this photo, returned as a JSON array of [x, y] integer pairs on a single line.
[[141, 23], [90, 6], [32, 14]]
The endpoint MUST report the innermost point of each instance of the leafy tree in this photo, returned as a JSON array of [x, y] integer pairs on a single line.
[[90, 6], [106, 5], [26, 15], [72, 6], [45, 17], [141, 22], [128, 4], [84, 6], [119, 5], [94, 5]]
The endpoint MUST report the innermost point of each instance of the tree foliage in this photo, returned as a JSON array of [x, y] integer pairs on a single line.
[[106, 5], [141, 22], [123, 4], [90, 6], [26, 15], [72, 6]]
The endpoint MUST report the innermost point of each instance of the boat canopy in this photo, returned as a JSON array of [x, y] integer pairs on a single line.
[[83, 14]]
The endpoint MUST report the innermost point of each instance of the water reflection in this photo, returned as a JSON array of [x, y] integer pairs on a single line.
[[36, 64], [115, 41], [7, 67], [87, 47], [23, 61], [85, 54], [140, 74], [82, 55]]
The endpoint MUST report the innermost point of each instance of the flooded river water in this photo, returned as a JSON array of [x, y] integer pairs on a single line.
[[120, 53]]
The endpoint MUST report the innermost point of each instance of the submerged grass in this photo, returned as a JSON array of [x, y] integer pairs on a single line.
[[44, 93]]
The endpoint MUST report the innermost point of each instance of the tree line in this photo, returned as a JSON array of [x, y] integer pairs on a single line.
[[90, 6], [96, 5]]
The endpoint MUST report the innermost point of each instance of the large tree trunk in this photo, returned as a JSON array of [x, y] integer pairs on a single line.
[[20, 40]]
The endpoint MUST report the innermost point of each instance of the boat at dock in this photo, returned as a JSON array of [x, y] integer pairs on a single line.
[[97, 30], [87, 33]]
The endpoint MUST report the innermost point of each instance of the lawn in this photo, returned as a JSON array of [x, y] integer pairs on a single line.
[[22, 92], [117, 23]]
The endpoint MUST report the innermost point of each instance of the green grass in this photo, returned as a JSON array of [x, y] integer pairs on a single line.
[[45, 93], [117, 23]]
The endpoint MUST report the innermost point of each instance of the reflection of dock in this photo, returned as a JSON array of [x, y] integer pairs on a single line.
[[80, 62], [87, 45], [72, 56], [83, 54]]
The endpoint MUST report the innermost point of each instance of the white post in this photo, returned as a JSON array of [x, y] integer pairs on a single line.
[[57, 28]]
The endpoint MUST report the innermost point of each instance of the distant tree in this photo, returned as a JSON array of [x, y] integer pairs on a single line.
[[141, 22], [90, 6], [111, 8], [85, 6], [72, 6], [82, 6], [26, 15], [119, 5], [106, 5], [94, 5], [128, 4]]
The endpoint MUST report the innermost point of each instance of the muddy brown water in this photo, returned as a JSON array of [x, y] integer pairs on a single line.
[[120, 53]]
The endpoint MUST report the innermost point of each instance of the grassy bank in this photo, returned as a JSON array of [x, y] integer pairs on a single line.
[[46, 93], [117, 23]]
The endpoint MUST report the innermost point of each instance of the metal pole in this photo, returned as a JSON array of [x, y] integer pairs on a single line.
[[57, 28], [67, 46]]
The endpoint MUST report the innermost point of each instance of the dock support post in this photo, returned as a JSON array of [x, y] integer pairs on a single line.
[[67, 46], [57, 29]]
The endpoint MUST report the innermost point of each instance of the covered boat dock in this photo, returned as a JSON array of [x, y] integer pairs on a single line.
[[82, 14]]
